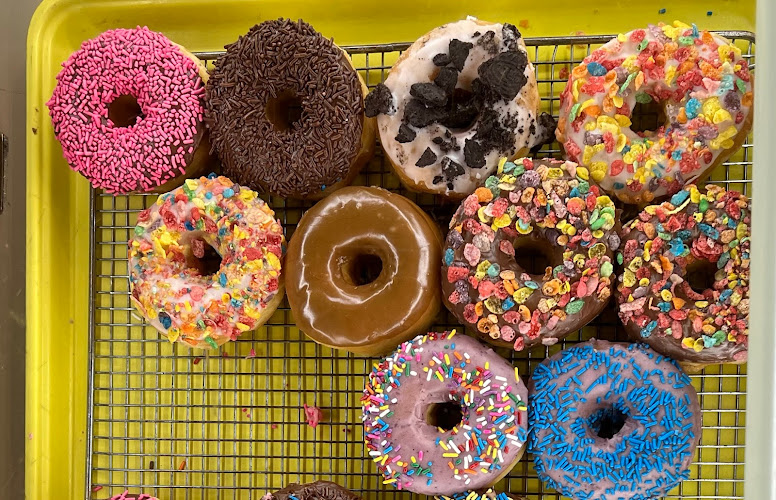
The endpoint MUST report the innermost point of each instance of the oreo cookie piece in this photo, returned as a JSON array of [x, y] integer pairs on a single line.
[[379, 101], [429, 93], [474, 154], [406, 134], [504, 73], [459, 51], [427, 158]]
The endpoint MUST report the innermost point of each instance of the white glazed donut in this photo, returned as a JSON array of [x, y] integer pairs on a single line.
[[457, 100]]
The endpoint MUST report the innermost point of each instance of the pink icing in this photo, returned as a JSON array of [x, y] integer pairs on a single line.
[[167, 86]]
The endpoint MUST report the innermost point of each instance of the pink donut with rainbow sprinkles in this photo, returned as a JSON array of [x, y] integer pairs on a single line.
[[128, 109]]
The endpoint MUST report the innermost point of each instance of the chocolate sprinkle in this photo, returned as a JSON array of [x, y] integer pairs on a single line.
[[459, 51], [274, 58], [427, 158], [505, 73], [379, 101], [406, 134], [474, 154], [429, 93]]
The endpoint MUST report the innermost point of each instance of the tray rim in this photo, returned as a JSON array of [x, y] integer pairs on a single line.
[[56, 422]]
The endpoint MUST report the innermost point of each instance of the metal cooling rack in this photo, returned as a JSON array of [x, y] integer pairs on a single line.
[[182, 424]]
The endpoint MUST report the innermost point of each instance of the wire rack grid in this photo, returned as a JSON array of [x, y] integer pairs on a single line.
[[185, 424]]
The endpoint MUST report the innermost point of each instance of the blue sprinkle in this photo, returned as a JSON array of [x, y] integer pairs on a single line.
[[676, 154], [222, 279], [165, 320], [596, 69], [661, 11], [508, 303], [228, 192], [208, 195]]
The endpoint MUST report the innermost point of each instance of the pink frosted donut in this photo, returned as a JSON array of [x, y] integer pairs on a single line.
[[128, 109]]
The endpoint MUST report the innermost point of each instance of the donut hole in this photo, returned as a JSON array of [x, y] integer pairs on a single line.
[[647, 117], [203, 258], [607, 422], [124, 111], [533, 255], [446, 415], [700, 275], [361, 269], [284, 111], [462, 111]]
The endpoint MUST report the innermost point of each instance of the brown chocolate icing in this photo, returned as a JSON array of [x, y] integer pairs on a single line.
[[546, 208], [285, 109], [319, 490], [363, 270]]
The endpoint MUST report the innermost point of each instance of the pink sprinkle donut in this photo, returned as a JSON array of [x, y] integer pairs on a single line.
[[128, 110]]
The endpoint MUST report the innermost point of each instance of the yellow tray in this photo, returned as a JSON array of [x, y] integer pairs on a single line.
[[110, 404]]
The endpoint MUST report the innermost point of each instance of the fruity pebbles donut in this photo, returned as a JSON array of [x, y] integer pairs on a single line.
[[684, 283], [698, 84], [128, 110], [543, 209], [612, 421], [205, 262], [444, 414]]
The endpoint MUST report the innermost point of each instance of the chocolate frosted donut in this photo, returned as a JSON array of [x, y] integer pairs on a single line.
[[319, 490], [285, 108], [528, 258], [363, 270], [457, 100], [444, 414], [684, 284], [612, 421], [488, 494]]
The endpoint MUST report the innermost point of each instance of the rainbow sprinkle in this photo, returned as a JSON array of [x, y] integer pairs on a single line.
[[206, 311], [573, 395], [489, 494], [412, 454], [167, 86]]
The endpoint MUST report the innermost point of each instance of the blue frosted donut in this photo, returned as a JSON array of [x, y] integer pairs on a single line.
[[612, 421]]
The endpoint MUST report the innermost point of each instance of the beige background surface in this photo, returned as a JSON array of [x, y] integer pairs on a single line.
[[14, 18]]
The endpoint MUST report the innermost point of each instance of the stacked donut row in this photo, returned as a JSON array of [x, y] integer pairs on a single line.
[[287, 114]]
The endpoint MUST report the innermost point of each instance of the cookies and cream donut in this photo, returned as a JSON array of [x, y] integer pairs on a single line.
[[545, 208], [319, 490], [612, 421], [286, 111], [128, 110], [684, 283], [205, 262], [444, 414], [700, 83], [457, 100], [368, 257]]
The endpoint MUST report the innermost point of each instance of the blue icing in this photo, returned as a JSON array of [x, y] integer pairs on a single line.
[[646, 461]]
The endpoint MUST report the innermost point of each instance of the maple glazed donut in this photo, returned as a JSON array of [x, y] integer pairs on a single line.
[[684, 284], [128, 110], [547, 208], [444, 414], [362, 270], [612, 420], [698, 80], [286, 111], [457, 100], [205, 262]]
